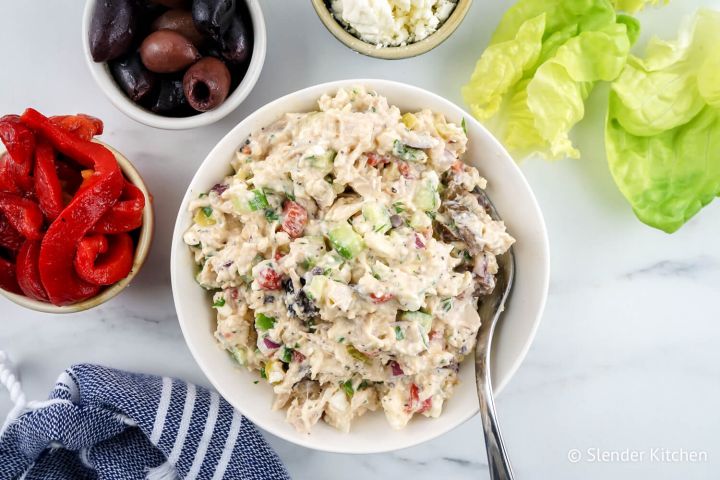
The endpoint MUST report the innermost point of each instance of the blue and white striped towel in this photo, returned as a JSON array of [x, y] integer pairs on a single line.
[[100, 423]]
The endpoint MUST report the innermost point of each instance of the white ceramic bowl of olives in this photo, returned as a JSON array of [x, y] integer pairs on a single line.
[[175, 64]]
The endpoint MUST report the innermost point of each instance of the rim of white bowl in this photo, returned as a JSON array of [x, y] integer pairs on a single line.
[[498, 386], [117, 97]]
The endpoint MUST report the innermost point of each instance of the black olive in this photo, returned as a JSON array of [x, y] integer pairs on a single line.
[[288, 285], [132, 77], [112, 28], [237, 41], [213, 17], [171, 100]]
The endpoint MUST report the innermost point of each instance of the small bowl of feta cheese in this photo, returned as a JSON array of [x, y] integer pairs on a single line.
[[391, 29]]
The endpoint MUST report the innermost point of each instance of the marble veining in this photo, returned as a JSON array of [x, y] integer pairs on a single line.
[[626, 356]]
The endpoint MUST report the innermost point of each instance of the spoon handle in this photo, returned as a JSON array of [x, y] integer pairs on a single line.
[[498, 461]]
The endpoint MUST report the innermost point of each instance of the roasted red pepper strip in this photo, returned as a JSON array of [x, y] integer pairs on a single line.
[[19, 141], [57, 251], [70, 177], [84, 126], [126, 215], [8, 282], [10, 239], [11, 178], [78, 150], [27, 271], [23, 214], [102, 260], [47, 183]]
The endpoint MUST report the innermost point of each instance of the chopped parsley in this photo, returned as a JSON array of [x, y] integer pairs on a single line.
[[399, 334], [207, 211], [464, 126], [446, 304], [263, 322], [220, 302], [286, 355], [347, 386], [271, 215]]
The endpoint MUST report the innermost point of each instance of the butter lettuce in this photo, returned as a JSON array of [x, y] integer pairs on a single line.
[[663, 127], [632, 6], [544, 59]]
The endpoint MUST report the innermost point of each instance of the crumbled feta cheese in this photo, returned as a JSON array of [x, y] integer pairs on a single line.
[[392, 22]]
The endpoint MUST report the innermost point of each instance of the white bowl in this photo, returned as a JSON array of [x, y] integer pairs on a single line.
[[371, 433], [106, 82]]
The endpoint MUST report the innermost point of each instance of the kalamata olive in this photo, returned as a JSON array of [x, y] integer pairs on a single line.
[[131, 75], [112, 28], [213, 17], [173, 3], [179, 21], [171, 100], [166, 51], [206, 84], [236, 43]]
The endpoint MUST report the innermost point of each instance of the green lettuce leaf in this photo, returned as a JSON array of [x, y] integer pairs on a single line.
[[633, 6], [531, 83], [663, 128]]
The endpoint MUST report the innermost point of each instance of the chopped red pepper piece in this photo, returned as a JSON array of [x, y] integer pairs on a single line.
[[84, 126], [10, 239], [104, 260], [23, 214], [126, 215], [8, 282], [19, 141], [47, 183], [426, 405], [414, 404], [269, 279], [381, 298], [57, 251], [295, 218], [11, 178], [414, 399], [28, 274]]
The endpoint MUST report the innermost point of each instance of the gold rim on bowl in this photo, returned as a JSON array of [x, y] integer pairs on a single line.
[[392, 53], [142, 249]]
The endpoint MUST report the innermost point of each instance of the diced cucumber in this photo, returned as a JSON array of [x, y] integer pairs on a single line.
[[420, 220], [425, 198], [316, 287], [409, 154], [322, 161], [263, 322], [258, 201], [240, 205], [345, 241], [240, 355], [422, 319], [377, 215]]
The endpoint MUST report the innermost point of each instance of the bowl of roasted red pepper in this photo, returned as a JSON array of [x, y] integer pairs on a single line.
[[75, 216]]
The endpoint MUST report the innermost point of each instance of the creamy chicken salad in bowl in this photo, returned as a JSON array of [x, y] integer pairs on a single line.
[[326, 252]]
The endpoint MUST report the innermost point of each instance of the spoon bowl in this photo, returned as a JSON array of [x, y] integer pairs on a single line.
[[490, 308]]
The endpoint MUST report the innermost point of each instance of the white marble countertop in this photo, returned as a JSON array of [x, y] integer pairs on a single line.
[[626, 358]]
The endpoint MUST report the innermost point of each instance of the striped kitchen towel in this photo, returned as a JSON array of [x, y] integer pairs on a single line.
[[100, 423]]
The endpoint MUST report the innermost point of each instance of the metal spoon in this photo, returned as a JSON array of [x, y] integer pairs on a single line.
[[489, 309]]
